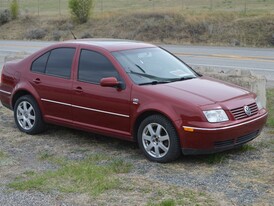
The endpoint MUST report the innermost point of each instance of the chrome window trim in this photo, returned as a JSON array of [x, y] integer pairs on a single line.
[[86, 108]]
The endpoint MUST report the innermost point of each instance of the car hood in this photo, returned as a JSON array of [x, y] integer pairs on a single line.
[[200, 91]]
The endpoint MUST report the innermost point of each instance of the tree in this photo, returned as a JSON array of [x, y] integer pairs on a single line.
[[14, 8], [81, 9]]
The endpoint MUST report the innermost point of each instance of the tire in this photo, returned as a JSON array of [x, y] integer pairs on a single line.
[[158, 139], [28, 116]]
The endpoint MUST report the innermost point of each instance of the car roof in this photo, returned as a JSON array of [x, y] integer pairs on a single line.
[[112, 44]]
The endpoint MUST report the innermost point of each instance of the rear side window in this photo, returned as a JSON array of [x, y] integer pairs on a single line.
[[39, 65], [94, 66], [57, 62]]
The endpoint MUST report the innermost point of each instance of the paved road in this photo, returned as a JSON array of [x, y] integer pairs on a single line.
[[259, 60]]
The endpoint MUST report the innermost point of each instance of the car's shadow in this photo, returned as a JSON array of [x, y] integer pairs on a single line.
[[131, 149]]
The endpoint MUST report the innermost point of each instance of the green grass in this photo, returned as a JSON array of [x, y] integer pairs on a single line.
[[216, 158], [93, 175], [45, 155], [270, 107], [168, 202], [5, 159], [247, 147], [2, 155], [186, 197]]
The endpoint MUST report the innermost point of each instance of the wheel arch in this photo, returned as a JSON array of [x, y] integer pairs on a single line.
[[19, 94], [146, 114], [25, 89]]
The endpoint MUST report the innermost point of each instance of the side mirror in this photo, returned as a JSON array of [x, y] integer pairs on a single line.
[[111, 82]]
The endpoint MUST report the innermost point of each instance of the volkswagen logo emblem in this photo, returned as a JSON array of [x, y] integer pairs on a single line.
[[247, 110]]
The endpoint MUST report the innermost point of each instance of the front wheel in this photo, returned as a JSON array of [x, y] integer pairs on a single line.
[[28, 116], [158, 139]]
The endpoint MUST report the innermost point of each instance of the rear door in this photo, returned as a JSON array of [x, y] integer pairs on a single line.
[[101, 109], [51, 77]]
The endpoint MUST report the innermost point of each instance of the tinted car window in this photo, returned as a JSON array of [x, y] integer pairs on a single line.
[[94, 66], [60, 61], [39, 65]]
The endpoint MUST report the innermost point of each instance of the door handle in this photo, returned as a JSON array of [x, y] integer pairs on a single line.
[[78, 89], [37, 81]]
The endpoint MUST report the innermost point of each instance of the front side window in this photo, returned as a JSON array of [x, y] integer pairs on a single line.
[[94, 66], [56, 62]]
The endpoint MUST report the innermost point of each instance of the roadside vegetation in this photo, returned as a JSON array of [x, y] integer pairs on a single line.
[[14, 8], [81, 9], [182, 26], [270, 107]]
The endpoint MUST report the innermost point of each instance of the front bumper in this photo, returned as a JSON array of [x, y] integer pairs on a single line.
[[206, 140]]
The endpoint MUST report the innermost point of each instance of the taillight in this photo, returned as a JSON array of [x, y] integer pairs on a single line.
[[1, 74]]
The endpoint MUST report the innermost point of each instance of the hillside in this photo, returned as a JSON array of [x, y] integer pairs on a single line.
[[204, 28]]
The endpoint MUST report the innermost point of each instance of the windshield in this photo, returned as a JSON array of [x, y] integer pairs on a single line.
[[153, 66]]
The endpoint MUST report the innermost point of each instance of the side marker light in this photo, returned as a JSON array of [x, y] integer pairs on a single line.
[[188, 129]]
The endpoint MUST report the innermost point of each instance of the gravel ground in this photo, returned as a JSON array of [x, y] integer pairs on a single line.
[[243, 177]]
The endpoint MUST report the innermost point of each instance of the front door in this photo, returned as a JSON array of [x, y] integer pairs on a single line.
[[97, 108]]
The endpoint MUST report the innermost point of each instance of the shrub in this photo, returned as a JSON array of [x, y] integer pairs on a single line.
[[14, 8], [86, 35], [36, 34], [56, 35], [81, 9], [4, 16]]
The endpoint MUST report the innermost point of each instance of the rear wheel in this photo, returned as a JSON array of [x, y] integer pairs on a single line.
[[158, 139], [28, 116]]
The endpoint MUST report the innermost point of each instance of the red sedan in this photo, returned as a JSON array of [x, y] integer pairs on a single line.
[[130, 90]]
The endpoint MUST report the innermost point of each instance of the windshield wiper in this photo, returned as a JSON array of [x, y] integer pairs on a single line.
[[182, 78], [139, 67], [157, 80], [145, 75], [154, 82]]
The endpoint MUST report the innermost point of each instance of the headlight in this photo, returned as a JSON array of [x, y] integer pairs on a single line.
[[259, 104], [214, 116]]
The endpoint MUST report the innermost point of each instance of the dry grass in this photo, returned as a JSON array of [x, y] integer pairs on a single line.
[[199, 180], [188, 27], [53, 7]]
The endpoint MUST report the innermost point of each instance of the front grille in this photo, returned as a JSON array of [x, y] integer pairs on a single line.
[[237, 141], [239, 113], [225, 143]]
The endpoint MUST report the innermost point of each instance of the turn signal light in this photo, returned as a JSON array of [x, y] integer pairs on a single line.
[[188, 129]]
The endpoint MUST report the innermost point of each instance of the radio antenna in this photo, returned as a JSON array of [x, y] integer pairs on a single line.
[[73, 35]]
